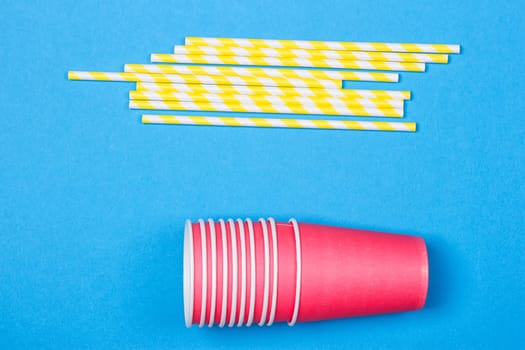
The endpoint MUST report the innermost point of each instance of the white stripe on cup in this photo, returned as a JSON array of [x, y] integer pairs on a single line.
[[298, 278], [252, 273], [275, 271], [189, 274], [213, 272], [204, 277], [266, 272], [242, 306], [224, 273], [233, 309]]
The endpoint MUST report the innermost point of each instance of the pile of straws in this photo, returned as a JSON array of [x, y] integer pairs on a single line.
[[214, 74]]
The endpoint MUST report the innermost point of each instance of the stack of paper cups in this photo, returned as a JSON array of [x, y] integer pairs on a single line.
[[243, 272]]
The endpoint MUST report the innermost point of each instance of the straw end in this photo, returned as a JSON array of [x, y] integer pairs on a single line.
[[394, 78], [71, 75]]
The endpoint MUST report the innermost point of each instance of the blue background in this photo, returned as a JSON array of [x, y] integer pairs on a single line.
[[92, 203]]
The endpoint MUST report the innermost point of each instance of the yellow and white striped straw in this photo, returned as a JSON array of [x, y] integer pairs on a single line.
[[263, 99], [289, 108], [262, 72], [311, 54], [278, 123], [207, 79], [274, 90], [289, 62], [324, 45]]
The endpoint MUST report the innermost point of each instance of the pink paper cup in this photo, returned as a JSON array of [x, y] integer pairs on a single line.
[[243, 272], [349, 272]]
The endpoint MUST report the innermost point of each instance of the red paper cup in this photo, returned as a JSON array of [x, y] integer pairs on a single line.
[[349, 272], [244, 272]]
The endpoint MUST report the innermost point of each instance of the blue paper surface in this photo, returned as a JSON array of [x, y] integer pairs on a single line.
[[92, 202]]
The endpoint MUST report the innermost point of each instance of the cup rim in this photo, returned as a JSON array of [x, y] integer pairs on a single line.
[[224, 273], [242, 305], [275, 254], [188, 273], [204, 278], [213, 302], [298, 278], [266, 285], [233, 310], [252, 273]]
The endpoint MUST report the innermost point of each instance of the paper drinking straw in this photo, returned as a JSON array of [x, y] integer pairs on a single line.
[[289, 62], [273, 90], [206, 79], [263, 99], [311, 54], [324, 45], [278, 123], [289, 108], [262, 72]]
